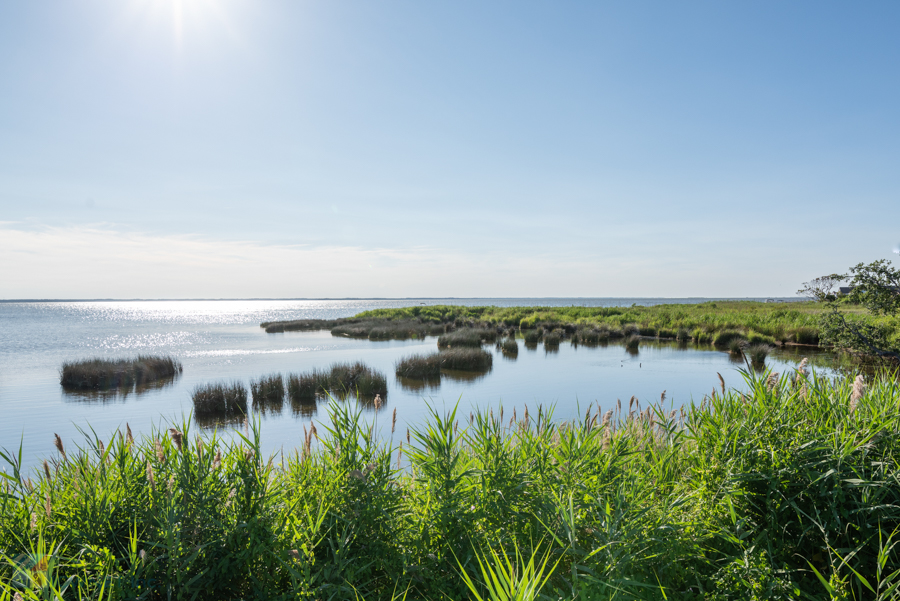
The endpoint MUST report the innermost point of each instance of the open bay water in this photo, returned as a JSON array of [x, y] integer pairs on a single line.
[[222, 341]]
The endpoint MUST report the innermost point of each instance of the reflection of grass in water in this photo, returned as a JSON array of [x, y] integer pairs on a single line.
[[464, 376], [419, 384], [116, 395], [104, 374]]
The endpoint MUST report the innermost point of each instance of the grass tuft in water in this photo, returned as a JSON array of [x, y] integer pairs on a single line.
[[341, 380], [467, 337], [632, 343], [267, 392], [220, 400], [104, 374]]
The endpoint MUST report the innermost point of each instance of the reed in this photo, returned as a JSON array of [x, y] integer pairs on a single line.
[[420, 367], [105, 374], [533, 336], [552, 338], [466, 359], [784, 489], [267, 391], [220, 399]]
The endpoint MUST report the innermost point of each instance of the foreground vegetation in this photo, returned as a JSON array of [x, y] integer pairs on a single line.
[[105, 374], [788, 490]]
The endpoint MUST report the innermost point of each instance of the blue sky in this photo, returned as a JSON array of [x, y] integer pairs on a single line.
[[197, 148]]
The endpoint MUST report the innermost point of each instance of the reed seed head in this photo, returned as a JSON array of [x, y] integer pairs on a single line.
[[721, 381], [394, 421], [47, 470], [217, 460], [859, 389], [177, 437], [150, 478], [129, 439], [377, 402], [772, 381], [57, 442], [802, 368], [662, 397], [159, 451], [47, 507], [607, 417]]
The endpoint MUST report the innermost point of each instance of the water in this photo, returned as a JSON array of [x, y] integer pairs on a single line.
[[222, 340]]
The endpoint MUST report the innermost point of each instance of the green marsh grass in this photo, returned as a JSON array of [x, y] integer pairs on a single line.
[[784, 489], [341, 380], [420, 366], [509, 348], [633, 343], [220, 400], [105, 374], [467, 337], [267, 392], [757, 353], [533, 336]]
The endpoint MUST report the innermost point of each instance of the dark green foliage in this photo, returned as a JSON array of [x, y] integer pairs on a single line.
[[220, 400], [300, 325], [683, 335], [104, 374], [736, 346], [267, 392], [647, 331], [805, 336], [467, 337], [665, 333]]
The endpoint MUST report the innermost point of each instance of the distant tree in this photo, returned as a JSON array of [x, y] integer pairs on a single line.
[[875, 286]]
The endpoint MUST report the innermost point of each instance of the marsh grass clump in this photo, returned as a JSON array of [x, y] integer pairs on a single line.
[[533, 336], [220, 399], [467, 337], [509, 347], [736, 346], [726, 337], [552, 338], [299, 325], [683, 335], [757, 354], [466, 359], [630, 329], [341, 380], [632, 343], [105, 374], [420, 367], [666, 334], [267, 391], [806, 335]]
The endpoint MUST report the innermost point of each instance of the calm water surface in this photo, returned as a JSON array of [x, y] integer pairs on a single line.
[[222, 340]]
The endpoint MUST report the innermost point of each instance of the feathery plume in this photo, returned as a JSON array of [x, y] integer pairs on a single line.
[[313, 431], [47, 507], [399, 455], [47, 470], [230, 498], [170, 485], [377, 402], [129, 438], [662, 397], [772, 381], [217, 460], [631, 403], [33, 523], [407, 436], [394, 421], [199, 447], [859, 389], [100, 447], [177, 437], [802, 368], [526, 415], [721, 381], [248, 454], [142, 556], [607, 417], [57, 442], [159, 451]]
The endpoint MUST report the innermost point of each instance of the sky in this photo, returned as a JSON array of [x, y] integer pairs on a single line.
[[289, 149]]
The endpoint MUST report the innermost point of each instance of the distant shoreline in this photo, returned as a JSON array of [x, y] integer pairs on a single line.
[[405, 298]]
